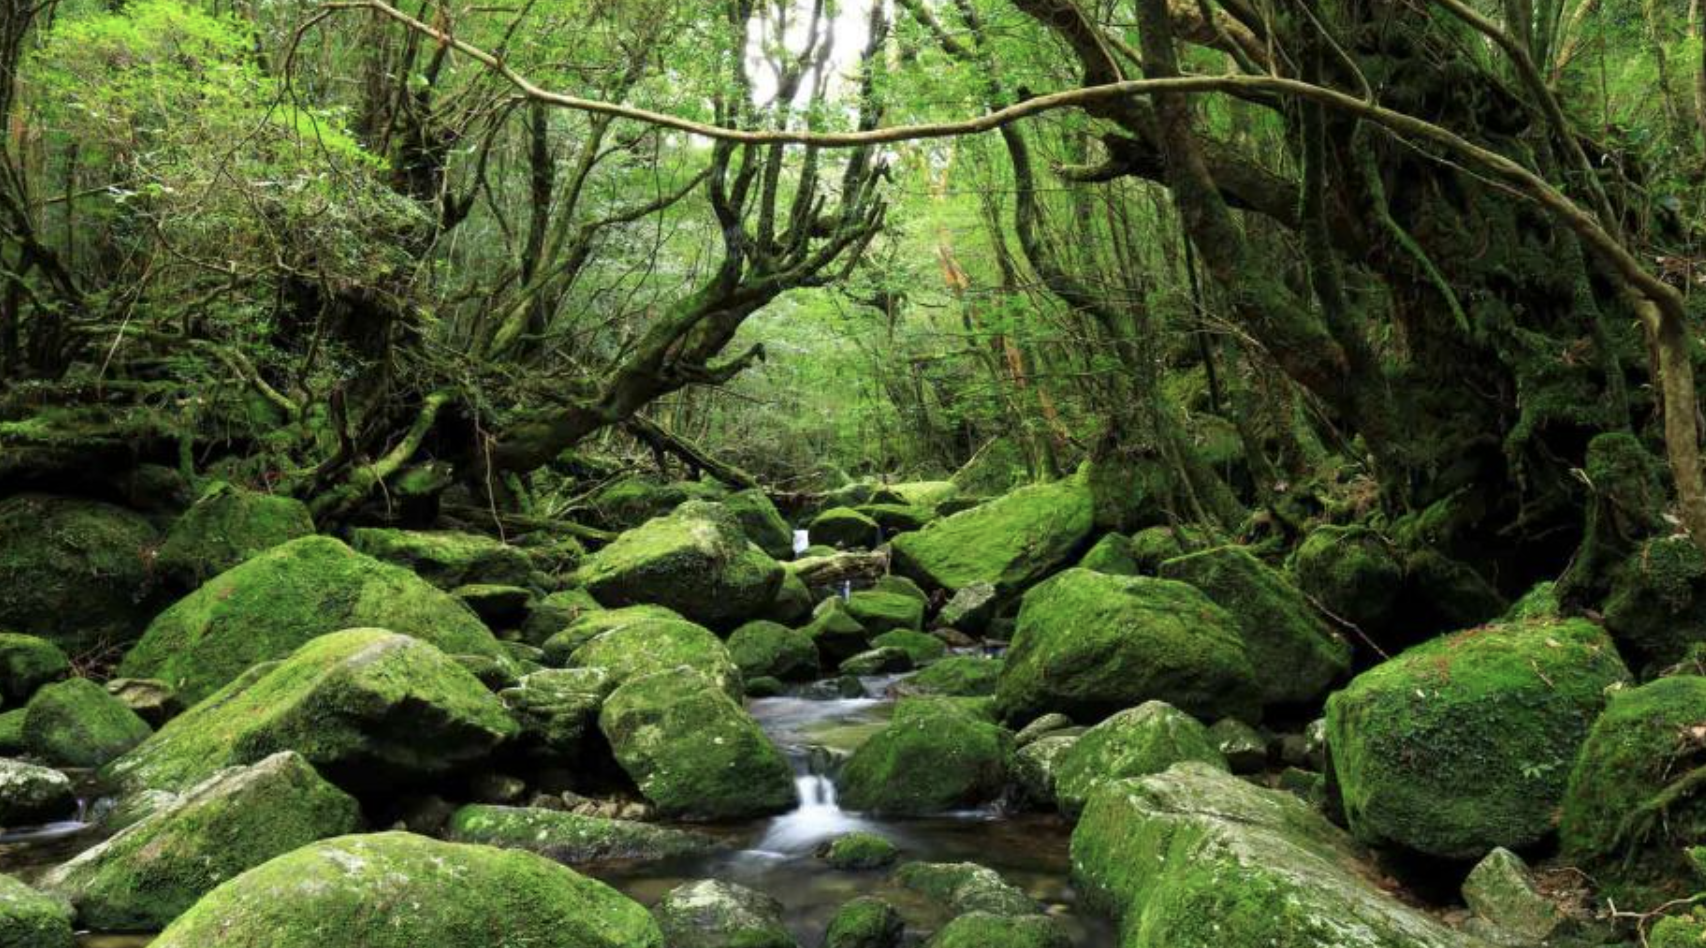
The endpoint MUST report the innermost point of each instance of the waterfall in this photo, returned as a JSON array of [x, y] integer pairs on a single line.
[[818, 817]]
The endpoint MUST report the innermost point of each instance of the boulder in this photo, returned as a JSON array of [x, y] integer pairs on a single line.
[[153, 701], [1112, 555], [30, 919], [1034, 768], [574, 838], [1010, 542], [655, 645], [881, 612], [499, 607], [928, 494], [12, 733], [1197, 858], [921, 648], [1243, 747], [890, 583], [594, 623], [1152, 546], [878, 661], [30, 795], [859, 850], [557, 710], [845, 528], [793, 602], [1633, 802], [75, 723], [276, 602], [1657, 606], [897, 518], [630, 501], [934, 756], [1300, 658], [770, 649], [714, 914], [446, 558], [370, 709], [75, 572], [1464, 743], [1044, 726], [837, 635], [1137, 742], [761, 522], [963, 887], [963, 676], [26, 663], [695, 561], [1501, 892], [1352, 572], [155, 869], [226, 526], [555, 612], [983, 930], [449, 895], [1089, 644], [865, 922], [971, 608], [693, 751]]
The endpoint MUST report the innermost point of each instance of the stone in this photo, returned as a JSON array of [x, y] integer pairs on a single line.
[[695, 561], [75, 572], [881, 612], [964, 676], [837, 635], [1242, 746], [557, 709], [761, 522], [500, 607], [630, 501], [983, 930], [865, 922], [897, 518], [845, 528], [1656, 608], [573, 838], [596, 622], [26, 663], [878, 661], [859, 851], [963, 887], [1035, 766], [1147, 739], [655, 645], [1041, 727], [770, 649], [555, 612], [715, 914], [153, 701], [922, 649], [1501, 891], [970, 608], [1112, 555], [75, 723], [934, 756], [446, 558], [1352, 572], [1010, 542], [30, 919], [226, 526], [32, 795]]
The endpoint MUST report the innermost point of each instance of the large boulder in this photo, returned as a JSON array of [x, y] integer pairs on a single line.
[[26, 663], [880, 611], [714, 914], [446, 558], [963, 887], [653, 645], [369, 708], [761, 522], [75, 572], [693, 751], [1298, 655], [76, 723], [1197, 858], [695, 561], [30, 794], [845, 528], [837, 635], [226, 526], [1465, 743], [865, 922], [765, 649], [31, 919], [983, 930], [155, 869], [555, 612], [630, 501], [934, 756], [398, 890], [1137, 742], [1010, 542], [1657, 606], [960, 676], [1089, 644], [1633, 802], [1353, 572], [574, 838], [593, 623], [1112, 554], [278, 601]]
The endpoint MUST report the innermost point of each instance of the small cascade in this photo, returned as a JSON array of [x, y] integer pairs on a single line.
[[818, 817]]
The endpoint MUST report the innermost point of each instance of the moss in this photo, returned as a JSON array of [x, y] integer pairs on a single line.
[[30, 795], [557, 709], [959, 675], [1634, 800], [368, 708], [655, 645], [902, 586], [963, 887], [1540, 602], [30, 919], [1678, 931], [457, 896], [877, 661], [695, 561], [593, 623], [226, 526], [761, 522], [155, 869], [1299, 656], [921, 648], [1657, 606], [1112, 555], [1010, 542], [1151, 546], [844, 527], [1501, 891], [793, 602], [572, 838], [982, 930], [713, 914], [12, 733], [278, 601], [74, 572], [631, 501], [933, 757], [931, 494], [836, 633], [864, 922], [27, 663], [694, 752], [556, 612], [1137, 742], [445, 558], [1089, 645], [770, 649], [76, 723], [860, 850], [971, 609], [1128, 493], [881, 612], [1034, 767], [897, 518], [1351, 572], [1465, 743]]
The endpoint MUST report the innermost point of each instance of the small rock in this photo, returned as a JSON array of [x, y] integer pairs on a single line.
[[30, 919], [714, 914], [849, 686], [1307, 784], [574, 838], [965, 887], [1041, 727], [76, 723], [1244, 748], [495, 788], [859, 850], [878, 661], [983, 930], [865, 922], [1501, 891], [30, 794], [153, 701], [763, 687], [970, 609]]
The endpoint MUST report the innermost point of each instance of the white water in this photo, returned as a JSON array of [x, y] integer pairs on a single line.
[[817, 819]]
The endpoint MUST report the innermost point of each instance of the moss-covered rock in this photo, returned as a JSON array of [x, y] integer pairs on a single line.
[[878, 661], [573, 838], [30, 794], [555, 612], [12, 733], [963, 887], [31, 919], [1442, 593], [837, 635], [1010, 542], [155, 869], [1034, 767], [921, 648], [26, 663], [761, 522], [695, 561], [1540, 602], [793, 602], [1089, 644], [970, 609], [370, 709], [881, 612], [1502, 894], [715, 914], [865, 922], [928, 494], [858, 851], [278, 601], [983, 930], [1634, 801], [75, 572], [770, 649], [1657, 606], [1298, 655], [153, 700], [1678, 931], [226, 526], [1244, 747], [1152, 546], [693, 751], [75, 723], [446, 558], [845, 528], [630, 501], [933, 756], [456, 896], [1112, 554], [654, 645], [897, 518], [1137, 742], [1197, 858], [594, 623], [963, 676], [557, 710], [1352, 572], [499, 607], [1465, 743]]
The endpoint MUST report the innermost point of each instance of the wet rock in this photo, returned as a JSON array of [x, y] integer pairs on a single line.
[[501, 607], [693, 751], [1089, 645], [226, 526], [1043, 726], [1035, 766], [845, 528], [881, 612], [155, 869], [446, 558], [1243, 747], [1352, 572], [865, 922], [983, 930], [557, 709], [276, 602], [1137, 742], [878, 661], [761, 522], [971, 607], [655, 645], [1501, 892], [75, 572], [770, 649], [922, 649], [31, 795], [859, 850], [323, 896], [27, 663], [695, 561], [714, 914], [1010, 542], [965, 676], [1112, 555], [75, 723], [934, 756], [574, 838], [764, 687], [370, 709], [1465, 743], [849, 687], [30, 919], [153, 701], [592, 624], [964, 887]]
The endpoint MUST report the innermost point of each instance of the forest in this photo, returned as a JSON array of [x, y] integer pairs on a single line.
[[852, 474]]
